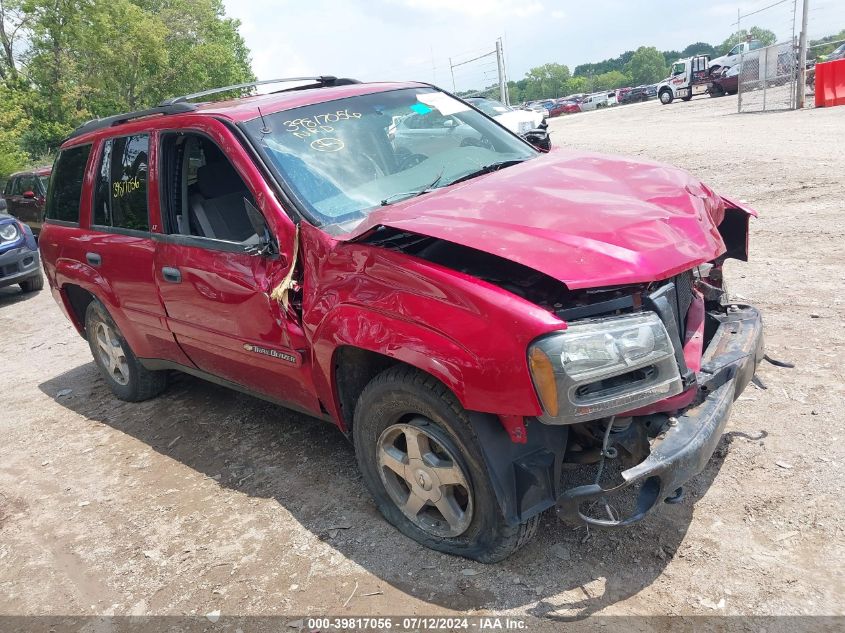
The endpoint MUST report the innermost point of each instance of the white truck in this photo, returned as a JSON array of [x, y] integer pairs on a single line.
[[734, 55], [690, 77]]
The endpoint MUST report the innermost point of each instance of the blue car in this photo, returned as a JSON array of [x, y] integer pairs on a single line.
[[19, 260]]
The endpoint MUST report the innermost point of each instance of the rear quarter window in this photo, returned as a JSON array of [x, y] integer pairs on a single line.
[[121, 195], [68, 175]]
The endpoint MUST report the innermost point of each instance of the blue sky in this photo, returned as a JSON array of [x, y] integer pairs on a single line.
[[414, 39]]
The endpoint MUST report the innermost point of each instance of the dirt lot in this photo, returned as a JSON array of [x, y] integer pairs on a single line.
[[207, 500]]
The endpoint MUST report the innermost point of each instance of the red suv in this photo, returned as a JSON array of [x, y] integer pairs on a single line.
[[498, 330], [25, 194]]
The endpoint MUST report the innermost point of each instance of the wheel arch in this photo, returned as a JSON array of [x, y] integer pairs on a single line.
[[351, 334]]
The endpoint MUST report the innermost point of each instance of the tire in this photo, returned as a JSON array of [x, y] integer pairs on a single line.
[[687, 98], [33, 284], [402, 403], [125, 376], [666, 96]]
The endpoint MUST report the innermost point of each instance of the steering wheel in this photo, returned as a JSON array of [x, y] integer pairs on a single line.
[[378, 172], [410, 160], [482, 141]]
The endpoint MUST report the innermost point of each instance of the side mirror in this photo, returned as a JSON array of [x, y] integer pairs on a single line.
[[539, 137], [29, 195], [265, 245]]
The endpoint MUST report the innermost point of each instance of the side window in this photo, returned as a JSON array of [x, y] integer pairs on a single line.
[[27, 183], [66, 189], [203, 194], [15, 187], [121, 191]]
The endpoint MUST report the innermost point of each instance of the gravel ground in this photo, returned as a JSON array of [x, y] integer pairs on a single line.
[[205, 500]]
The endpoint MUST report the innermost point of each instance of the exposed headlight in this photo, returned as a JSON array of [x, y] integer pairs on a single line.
[[9, 232], [603, 367]]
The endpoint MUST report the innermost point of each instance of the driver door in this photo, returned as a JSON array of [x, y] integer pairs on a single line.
[[214, 281]]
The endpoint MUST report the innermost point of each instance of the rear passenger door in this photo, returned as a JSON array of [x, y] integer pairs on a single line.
[[121, 249]]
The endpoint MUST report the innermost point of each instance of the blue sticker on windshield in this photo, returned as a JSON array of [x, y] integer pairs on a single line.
[[420, 108]]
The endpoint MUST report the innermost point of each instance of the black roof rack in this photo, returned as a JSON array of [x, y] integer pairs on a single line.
[[179, 105], [319, 82], [117, 119]]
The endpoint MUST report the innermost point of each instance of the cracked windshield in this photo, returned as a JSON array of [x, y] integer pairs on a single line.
[[345, 158]]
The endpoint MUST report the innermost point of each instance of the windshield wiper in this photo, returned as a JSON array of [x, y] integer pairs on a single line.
[[486, 169], [404, 195]]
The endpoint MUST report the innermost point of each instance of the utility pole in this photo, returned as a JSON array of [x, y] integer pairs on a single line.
[[452, 69], [802, 57], [500, 62]]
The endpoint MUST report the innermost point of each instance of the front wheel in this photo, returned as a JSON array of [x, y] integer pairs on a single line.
[[422, 464], [34, 283], [118, 366], [666, 97]]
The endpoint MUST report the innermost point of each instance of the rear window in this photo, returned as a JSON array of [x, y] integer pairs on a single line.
[[68, 175], [121, 194]]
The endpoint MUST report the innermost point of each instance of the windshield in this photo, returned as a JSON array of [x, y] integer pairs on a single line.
[[343, 159], [490, 107], [45, 180]]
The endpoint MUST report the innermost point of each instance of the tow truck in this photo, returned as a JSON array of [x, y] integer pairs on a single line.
[[690, 77]]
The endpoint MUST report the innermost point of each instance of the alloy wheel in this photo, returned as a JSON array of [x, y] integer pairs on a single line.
[[424, 479], [112, 356]]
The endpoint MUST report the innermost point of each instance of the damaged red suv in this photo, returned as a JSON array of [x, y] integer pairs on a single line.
[[497, 329]]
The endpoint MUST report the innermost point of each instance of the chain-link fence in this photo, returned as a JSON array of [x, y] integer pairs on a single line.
[[767, 78]]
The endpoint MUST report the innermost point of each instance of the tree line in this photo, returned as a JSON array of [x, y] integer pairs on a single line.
[[63, 62]]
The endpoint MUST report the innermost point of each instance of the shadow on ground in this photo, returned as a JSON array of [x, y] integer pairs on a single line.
[[308, 467], [13, 294]]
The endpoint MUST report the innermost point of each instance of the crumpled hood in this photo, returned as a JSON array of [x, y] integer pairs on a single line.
[[585, 219]]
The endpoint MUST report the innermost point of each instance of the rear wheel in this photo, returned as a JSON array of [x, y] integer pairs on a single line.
[[34, 283], [118, 366], [422, 464], [687, 98], [666, 96]]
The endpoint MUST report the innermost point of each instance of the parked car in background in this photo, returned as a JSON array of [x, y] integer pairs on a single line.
[[734, 55], [20, 263], [517, 121], [593, 101], [474, 317], [634, 95], [651, 91], [611, 99], [25, 195], [725, 82], [839, 53], [528, 124], [535, 106], [571, 106]]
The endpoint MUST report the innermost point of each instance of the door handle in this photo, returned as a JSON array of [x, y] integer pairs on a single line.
[[171, 274], [94, 259]]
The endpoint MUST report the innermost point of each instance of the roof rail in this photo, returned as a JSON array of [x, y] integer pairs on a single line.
[[320, 82], [117, 119]]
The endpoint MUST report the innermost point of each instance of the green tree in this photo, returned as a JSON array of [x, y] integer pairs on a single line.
[[14, 22], [756, 33], [647, 66], [610, 80], [13, 125], [699, 48], [92, 58], [546, 81]]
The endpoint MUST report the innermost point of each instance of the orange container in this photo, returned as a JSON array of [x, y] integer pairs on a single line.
[[830, 83]]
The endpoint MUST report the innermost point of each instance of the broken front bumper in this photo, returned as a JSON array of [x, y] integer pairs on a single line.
[[683, 450]]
